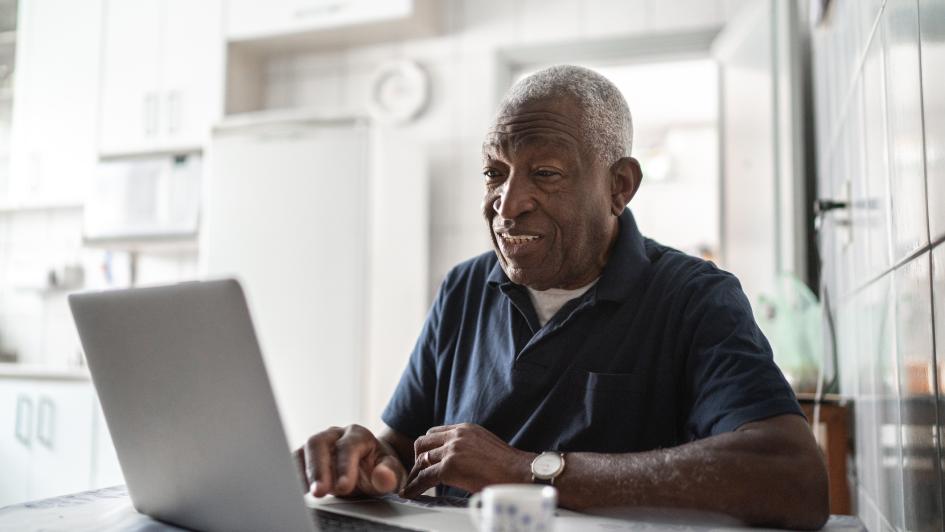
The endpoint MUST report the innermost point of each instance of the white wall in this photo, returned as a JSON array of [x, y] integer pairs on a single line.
[[464, 65], [466, 82]]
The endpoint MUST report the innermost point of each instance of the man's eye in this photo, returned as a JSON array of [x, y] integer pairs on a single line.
[[491, 174], [547, 174]]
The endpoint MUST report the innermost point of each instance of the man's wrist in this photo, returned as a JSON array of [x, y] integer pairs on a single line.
[[523, 469]]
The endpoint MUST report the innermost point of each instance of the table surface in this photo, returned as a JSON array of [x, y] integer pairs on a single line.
[[110, 509]]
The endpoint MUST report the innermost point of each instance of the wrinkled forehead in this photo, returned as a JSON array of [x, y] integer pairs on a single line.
[[535, 126]]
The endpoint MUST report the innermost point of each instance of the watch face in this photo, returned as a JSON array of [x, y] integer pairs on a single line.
[[546, 465]]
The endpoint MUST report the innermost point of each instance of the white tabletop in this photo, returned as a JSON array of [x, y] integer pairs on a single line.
[[110, 509]]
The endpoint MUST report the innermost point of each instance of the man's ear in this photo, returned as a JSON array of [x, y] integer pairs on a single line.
[[626, 177]]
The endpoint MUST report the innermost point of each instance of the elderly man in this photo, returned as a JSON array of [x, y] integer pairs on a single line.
[[581, 354]]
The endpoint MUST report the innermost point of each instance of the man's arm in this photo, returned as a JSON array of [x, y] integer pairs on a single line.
[[400, 445], [768, 472]]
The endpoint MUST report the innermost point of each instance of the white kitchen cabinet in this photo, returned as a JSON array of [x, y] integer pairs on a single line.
[[61, 460], [305, 24], [49, 440], [191, 70], [105, 468], [16, 410], [54, 122], [162, 75], [130, 94], [249, 19]]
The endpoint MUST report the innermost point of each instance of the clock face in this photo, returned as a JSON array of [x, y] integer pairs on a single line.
[[546, 465], [399, 92]]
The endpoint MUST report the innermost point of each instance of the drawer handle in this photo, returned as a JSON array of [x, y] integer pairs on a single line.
[[24, 436], [319, 11], [45, 422]]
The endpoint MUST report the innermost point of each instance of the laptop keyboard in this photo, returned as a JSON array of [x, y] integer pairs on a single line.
[[332, 521]]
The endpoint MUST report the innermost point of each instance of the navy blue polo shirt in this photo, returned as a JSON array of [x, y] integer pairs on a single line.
[[663, 350]]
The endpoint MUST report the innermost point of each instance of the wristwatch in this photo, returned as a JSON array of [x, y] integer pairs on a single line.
[[546, 467]]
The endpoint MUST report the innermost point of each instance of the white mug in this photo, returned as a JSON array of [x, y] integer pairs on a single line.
[[514, 508]]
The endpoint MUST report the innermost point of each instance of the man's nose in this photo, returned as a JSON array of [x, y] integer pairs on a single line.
[[515, 199]]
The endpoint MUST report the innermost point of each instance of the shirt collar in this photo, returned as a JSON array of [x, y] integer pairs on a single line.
[[624, 268]]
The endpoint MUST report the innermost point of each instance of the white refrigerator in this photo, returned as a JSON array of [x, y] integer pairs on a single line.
[[337, 288]]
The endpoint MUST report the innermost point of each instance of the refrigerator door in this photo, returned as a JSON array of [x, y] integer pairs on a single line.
[[286, 212]]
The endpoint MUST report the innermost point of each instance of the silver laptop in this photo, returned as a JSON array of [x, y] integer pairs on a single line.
[[192, 415]]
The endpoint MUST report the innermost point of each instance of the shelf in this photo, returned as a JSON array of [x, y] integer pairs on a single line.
[[146, 243], [153, 153], [19, 370], [12, 208]]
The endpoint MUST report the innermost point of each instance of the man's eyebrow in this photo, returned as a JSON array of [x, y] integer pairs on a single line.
[[490, 149]]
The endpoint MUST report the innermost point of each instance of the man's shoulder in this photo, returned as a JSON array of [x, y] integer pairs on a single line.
[[679, 269]]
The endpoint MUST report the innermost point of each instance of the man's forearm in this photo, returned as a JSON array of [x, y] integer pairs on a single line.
[[757, 476]]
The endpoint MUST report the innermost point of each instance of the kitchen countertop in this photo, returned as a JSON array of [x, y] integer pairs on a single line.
[[42, 372]]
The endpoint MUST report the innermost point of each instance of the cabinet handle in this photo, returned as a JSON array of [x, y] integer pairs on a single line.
[[146, 114], [150, 114], [45, 422], [173, 111], [320, 10], [25, 436]]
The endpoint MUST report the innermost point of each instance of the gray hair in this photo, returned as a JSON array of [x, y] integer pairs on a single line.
[[607, 123]]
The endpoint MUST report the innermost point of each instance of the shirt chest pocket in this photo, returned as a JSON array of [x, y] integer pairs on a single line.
[[615, 407]]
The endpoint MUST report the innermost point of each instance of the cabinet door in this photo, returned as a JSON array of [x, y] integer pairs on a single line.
[[130, 105], [105, 469], [250, 19], [62, 448], [16, 433], [54, 122], [191, 72]]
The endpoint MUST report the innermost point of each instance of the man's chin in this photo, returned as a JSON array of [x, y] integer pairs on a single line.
[[532, 273], [524, 276]]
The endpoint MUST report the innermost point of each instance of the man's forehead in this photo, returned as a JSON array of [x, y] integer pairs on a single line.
[[498, 146], [553, 123], [563, 113]]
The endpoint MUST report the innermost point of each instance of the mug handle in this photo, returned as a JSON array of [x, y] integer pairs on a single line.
[[473, 508]]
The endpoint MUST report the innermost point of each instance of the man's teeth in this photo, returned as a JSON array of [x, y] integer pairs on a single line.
[[519, 239]]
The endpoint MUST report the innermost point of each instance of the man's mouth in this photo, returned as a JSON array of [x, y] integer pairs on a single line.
[[518, 239], [515, 245]]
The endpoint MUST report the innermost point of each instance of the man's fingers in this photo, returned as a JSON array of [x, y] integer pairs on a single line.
[[387, 475], [441, 428], [430, 441], [424, 480], [318, 467], [299, 456], [350, 449], [427, 459]]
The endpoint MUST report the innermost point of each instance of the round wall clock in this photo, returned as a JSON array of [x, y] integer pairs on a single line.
[[399, 92]]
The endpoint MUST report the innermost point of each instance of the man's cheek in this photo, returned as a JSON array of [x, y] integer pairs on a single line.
[[488, 209]]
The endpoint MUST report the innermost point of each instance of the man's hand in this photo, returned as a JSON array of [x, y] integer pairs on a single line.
[[349, 462], [467, 457]]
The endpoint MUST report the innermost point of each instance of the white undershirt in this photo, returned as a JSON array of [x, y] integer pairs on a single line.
[[547, 303]]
